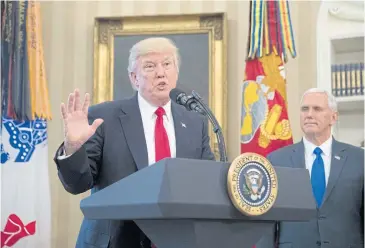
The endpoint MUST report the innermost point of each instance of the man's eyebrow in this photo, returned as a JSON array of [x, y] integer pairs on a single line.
[[313, 106], [148, 61]]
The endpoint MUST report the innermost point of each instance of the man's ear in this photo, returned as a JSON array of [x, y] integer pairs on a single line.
[[133, 79], [334, 118]]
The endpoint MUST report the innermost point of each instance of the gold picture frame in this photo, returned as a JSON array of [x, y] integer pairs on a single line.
[[213, 26]]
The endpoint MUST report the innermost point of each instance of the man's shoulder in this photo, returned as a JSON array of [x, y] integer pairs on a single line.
[[284, 150], [107, 108], [355, 155], [196, 116], [282, 155], [353, 150], [191, 115], [104, 108]]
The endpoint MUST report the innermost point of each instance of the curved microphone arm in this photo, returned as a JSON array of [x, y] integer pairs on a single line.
[[216, 127]]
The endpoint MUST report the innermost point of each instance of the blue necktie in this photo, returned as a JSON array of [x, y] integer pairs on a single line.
[[318, 177]]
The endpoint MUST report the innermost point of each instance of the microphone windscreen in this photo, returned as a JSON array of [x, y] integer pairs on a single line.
[[174, 93]]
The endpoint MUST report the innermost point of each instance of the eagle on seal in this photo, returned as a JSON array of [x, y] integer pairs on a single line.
[[254, 179]]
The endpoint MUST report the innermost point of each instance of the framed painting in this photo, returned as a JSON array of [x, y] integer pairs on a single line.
[[201, 40]]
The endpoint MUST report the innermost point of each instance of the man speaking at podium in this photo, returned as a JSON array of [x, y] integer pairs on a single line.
[[112, 140]]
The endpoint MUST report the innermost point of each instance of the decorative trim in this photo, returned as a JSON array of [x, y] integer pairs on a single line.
[[354, 13], [216, 23], [105, 26]]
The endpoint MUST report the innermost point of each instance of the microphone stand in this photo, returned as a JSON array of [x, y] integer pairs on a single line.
[[216, 127]]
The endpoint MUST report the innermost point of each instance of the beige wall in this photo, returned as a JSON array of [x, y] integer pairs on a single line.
[[68, 44]]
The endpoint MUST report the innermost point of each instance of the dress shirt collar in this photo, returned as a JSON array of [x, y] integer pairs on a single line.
[[149, 110], [326, 147]]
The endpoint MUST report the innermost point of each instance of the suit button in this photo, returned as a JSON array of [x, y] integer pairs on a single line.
[[322, 217], [318, 243]]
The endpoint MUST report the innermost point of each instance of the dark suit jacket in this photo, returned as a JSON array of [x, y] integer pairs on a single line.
[[116, 150], [340, 219]]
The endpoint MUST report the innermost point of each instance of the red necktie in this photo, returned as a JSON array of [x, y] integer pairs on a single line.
[[162, 147]]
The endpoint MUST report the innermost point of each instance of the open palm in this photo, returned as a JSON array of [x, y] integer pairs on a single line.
[[76, 125]]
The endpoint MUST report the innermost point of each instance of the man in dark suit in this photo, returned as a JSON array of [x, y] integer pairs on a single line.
[[112, 140], [336, 172]]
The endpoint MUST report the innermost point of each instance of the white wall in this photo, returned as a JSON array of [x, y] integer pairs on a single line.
[[350, 128], [340, 39], [345, 19], [351, 57], [331, 26]]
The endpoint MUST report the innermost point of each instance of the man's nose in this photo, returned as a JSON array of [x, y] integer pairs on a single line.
[[310, 112], [160, 71]]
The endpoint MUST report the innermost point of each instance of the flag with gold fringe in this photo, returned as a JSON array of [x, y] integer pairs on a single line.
[[25, 110], [264, 116], [24, 85]]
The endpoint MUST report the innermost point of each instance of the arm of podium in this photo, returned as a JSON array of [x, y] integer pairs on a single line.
[[184, 203]]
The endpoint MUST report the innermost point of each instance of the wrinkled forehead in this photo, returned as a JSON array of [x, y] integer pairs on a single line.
[[316, 99], [156, 57]]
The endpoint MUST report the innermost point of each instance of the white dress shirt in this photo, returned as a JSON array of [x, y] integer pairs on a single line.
[[149, 120], [326, 148]]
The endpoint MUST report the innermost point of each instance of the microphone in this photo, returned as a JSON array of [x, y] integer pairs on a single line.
[[189, 102], [196, 103]]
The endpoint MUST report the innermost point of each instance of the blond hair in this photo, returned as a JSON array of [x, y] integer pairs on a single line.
[[151, 45]]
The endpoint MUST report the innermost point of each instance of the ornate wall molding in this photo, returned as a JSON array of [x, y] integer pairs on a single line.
[[216, 23], [347, 11], [105, 26]]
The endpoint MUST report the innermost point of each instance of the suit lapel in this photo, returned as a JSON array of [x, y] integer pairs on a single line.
[[338, 159], [297, 157], [132, 125], [181, 129]]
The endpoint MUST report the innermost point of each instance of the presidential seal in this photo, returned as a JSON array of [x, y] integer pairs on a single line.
[[252, 184]]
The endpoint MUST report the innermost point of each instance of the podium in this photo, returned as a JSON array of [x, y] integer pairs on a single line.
[[184, 203]]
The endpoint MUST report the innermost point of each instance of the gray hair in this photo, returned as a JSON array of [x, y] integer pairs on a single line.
[[150, 45], [331, 99]]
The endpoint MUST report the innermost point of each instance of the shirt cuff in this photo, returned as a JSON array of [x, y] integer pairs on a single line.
[[63, 155]]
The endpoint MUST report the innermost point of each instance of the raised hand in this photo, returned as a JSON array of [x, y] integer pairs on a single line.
[[75, 121]]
